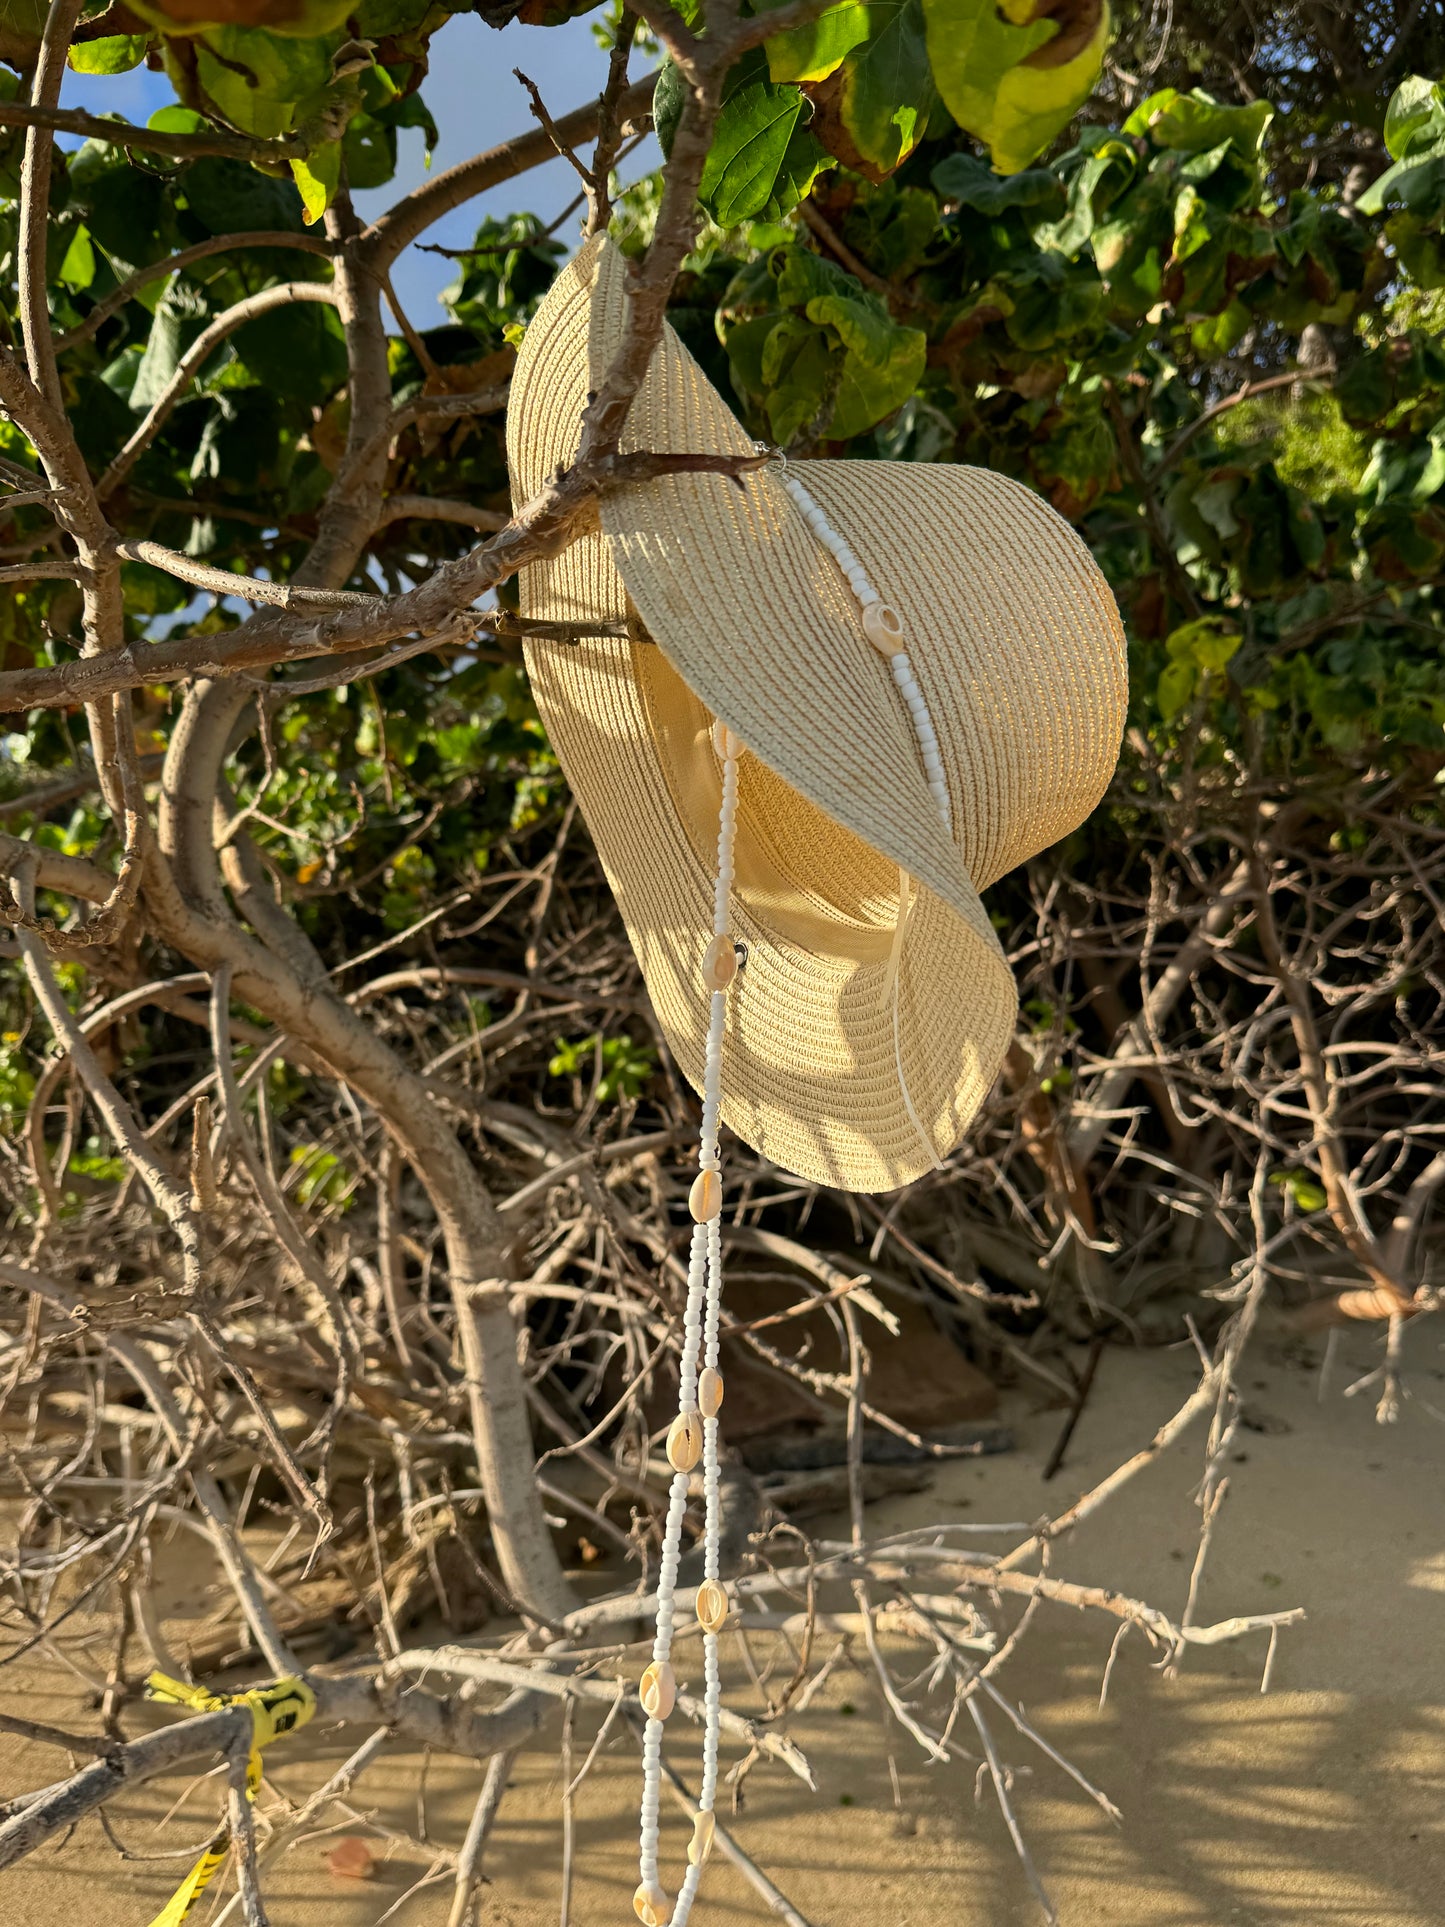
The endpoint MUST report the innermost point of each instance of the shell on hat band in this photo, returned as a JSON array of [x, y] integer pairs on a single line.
[[693, 1434]]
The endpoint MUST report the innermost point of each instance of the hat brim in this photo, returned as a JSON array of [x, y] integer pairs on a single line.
[[753, 623]]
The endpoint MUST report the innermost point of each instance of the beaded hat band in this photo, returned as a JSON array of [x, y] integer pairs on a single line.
[[873, 1013]]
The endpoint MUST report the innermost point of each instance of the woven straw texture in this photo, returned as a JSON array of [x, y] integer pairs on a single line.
[[1015, 643]]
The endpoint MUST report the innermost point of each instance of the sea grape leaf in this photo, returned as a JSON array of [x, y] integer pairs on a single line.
[[112, 54], [668, 96], [370, 152], [297, 352], [297, 19], [1013, 76], [21, 24], [883, 361], [800, 374], [1037, 193], [396, 19], [177, 120], [763, 158], [874, 108], [819, 49], [125, 209], [1051, 300], [894, 228], [317, 179], [1098, 171], [1196, 123], [77, 269], [258, 79], [834, 363], [1415, 141], [232, 197]]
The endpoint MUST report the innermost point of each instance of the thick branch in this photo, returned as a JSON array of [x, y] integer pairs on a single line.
[[35, 203], [543, 527]]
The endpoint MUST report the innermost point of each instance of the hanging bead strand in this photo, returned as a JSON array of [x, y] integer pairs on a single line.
[[693, 1433]]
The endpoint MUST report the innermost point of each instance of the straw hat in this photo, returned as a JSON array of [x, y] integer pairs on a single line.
[[871, 1018]]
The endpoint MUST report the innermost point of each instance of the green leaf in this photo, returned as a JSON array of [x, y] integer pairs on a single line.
[[1308, 1196], [1215, 335], [161, 359], [1208, 643], [817, 50], [999, 78], [1417, 107], [392, 19], [317, 179], [1052, 300], [125, 210], [297, 19], [883, 366], [668, 96], [1415, 140], [882, 362], [370, 147], [231, 197], [21, 25], [1037, 193], [177, 120], [259, 80], [296, 352], [1175, 689], [1196, 123], [114, 54], [801, 373], [77, 270], [762, 158], [875, 108], [1100, 169]]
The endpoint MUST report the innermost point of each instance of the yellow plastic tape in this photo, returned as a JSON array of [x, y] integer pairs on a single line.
[[279, 1708]]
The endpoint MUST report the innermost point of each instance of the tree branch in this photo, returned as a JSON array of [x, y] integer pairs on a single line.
[[185, 258], [120, 133], [413, 215], [196, 357], [540, 528]]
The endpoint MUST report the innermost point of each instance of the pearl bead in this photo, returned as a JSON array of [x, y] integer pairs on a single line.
[[883, 627], [704, 1826], [709, 1392], [684, 1448], [725, 742], [704, 1200], [712, 1606], [657, 1690], [651, 1905], [719, 963]]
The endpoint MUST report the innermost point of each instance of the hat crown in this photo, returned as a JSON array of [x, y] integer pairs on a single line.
[[1012, 631]]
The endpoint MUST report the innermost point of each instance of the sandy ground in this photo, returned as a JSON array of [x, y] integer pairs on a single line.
[[1323, 1802]]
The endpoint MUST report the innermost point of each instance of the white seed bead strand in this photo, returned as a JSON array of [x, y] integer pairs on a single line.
[[933, 769], [700, 1336], [884, 630]]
